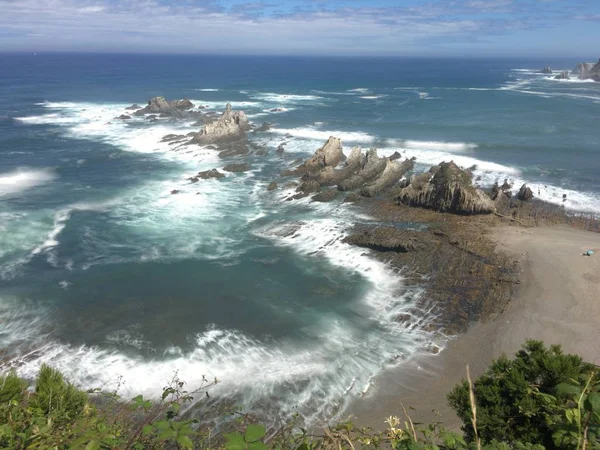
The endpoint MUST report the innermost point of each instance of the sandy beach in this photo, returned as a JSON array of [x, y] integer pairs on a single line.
[[558, 302]]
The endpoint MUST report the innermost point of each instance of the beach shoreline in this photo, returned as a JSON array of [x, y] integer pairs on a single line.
[[557, 301]]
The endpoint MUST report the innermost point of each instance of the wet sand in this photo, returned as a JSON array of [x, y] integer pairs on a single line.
[[558, 302]]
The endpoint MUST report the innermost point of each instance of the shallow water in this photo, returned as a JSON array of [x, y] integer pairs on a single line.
[[104, 274]]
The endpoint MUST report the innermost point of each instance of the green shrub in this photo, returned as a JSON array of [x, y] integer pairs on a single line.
[[57, 397], [516, 399], [11, 387]]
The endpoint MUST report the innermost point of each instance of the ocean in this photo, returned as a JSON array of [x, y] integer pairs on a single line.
[[106, 275]]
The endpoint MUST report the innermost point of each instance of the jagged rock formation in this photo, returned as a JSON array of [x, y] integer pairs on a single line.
[[330, 154], [160, 105], [546, 70], [213, 173], [589, 71], [391, 174], [230, 126], [371, 169], [272, 186], [450, 190], [562, 76], [582, 69], [328, 176], [384, 239], [525, 193]]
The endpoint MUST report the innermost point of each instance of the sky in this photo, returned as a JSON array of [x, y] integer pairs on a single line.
[[501, 28]]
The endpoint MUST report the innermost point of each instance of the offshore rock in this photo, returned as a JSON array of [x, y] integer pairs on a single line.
[[562, 76], [272, 186], [160, 105], [230, 126], [384, 239], [525, 193], [450, 190], [124, 117], [135, 107], [546, 70], [589, 71], [237, 168], [372, 168], [582, 69], [213, 173]]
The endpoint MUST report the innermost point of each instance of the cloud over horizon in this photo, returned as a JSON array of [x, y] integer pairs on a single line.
[[345, 27]]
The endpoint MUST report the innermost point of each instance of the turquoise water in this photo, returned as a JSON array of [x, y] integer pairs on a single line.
[[104, 274]]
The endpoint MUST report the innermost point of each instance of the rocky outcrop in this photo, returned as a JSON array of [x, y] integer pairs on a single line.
[[330, 155], [329, 176], [525, 193], [160, 105], [124, 117], [207, 174], [373, 167], [562, 76], [133, 107], [391, 174], [384, 239], [582, 69], [237, 168], [546, 70], [589, 71], [232, 125], [450, 190], [272, 186]]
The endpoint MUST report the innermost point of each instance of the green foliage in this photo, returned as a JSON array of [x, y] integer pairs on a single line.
[[57, 397], [542, 399], [538, 397], [11, 387]]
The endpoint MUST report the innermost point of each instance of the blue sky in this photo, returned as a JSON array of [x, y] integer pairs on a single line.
[[325, 27]]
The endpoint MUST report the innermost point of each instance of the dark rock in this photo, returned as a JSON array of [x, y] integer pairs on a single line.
[[308, 187], [384, 239], [213, 173], [450, 190], [352, 197], [546, 70], [264, 127], [506, 186], [133, 107], [261, 152], [562, 76], [395, 156], [175, 191], [235, 149], [152, 117], [237, 168], [525, 193], [272, 186], [280, 149], [326, 196], [276, 110], [564, 197], [124, 117]]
